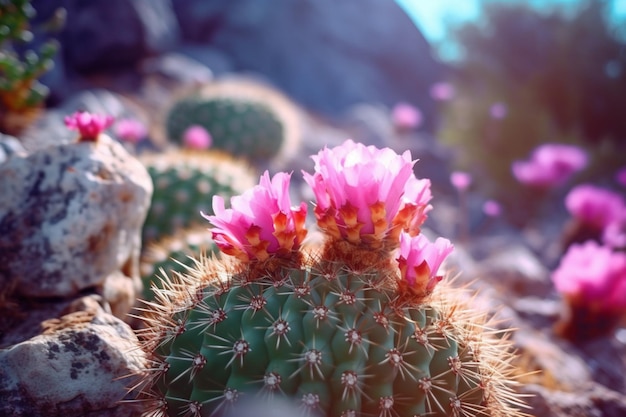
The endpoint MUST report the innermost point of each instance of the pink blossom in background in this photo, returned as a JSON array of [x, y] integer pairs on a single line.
[[550, 165], [593, 274], [405, 116], [498, 111], [197, 137], [130, 130], [595, 206], [260, 222], [442, 91], [89, 125], [492, 208], [461, 180], [614, 234], [419, 260], [365, 192], [620, 176]]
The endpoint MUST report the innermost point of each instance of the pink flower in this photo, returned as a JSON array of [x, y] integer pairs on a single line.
[[498, 110], [406, 117], [550, 165], [492, 208], [461, 180], [197, 137], [442, 91], [614, 234], [130, 130], [366, 194], [595, 206], [419, 261], [261, 222], [594, 275], [89, 125]]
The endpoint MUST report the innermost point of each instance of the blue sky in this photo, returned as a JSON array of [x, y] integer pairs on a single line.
[[433, 16]]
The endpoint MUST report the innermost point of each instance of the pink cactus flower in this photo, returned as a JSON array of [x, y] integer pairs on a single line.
[[197, 137], [492, 208], [366, 194], [442, 91], [595, 206], [89, 125], [419, 261], [261, 222], [593, 275], [406, 117], [130, 130], [550, 165], [498, 111], [461, 180]]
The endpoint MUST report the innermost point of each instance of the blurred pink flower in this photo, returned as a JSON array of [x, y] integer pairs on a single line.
[[367, 194], [406, 117], [595, 206], [260, 222], [197, 137], [551, 164], [130, 130], [89, 125], [442, 91], [492, 208], [594, 275], [498, 110], [614, 234], [461, 180], [419, 261], [620, 176]]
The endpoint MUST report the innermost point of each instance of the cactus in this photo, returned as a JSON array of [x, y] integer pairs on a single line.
[[244, 118], [355, 327], [173, 254], [182, 181]]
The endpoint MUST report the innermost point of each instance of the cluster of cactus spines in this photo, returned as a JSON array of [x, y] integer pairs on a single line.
[[355, 327], [20, 90], [173, 254], [243, 117], [183, 180]]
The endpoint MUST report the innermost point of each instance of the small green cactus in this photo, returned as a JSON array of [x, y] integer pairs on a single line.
[[173, 255], [244, 118], [183, 185], [20, 91]]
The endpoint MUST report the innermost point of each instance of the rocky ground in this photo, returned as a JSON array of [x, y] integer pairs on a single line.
[[71, 216]]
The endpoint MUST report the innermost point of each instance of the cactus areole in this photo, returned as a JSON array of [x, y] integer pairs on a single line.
[[355, 327]]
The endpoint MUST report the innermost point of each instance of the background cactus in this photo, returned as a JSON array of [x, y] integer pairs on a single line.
[[244, 118], [173, 254], [183, 185]]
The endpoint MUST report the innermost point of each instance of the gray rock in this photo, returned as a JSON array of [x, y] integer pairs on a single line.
[[80, 365], [10, 146], [327, 55], [179, 68], [217, 61], [70, 216]]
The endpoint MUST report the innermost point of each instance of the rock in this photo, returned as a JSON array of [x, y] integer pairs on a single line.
[[80, 365], [326, 55], [217, 61], [70, 216], [10, 146], [113, 34], [179, 68], [590, 400]]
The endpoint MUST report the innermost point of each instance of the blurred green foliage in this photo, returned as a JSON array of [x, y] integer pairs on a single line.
[[560, 79], [20, 67]]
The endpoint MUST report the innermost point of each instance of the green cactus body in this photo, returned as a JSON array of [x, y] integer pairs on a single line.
[[183, 185], [341, 343], [242, 128]]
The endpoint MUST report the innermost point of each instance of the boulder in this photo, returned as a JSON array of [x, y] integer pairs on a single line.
[[327, 55], [70, 216]]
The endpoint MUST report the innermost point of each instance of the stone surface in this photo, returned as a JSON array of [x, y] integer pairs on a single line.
[[81, 365], [327, 55], [70, 216]]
